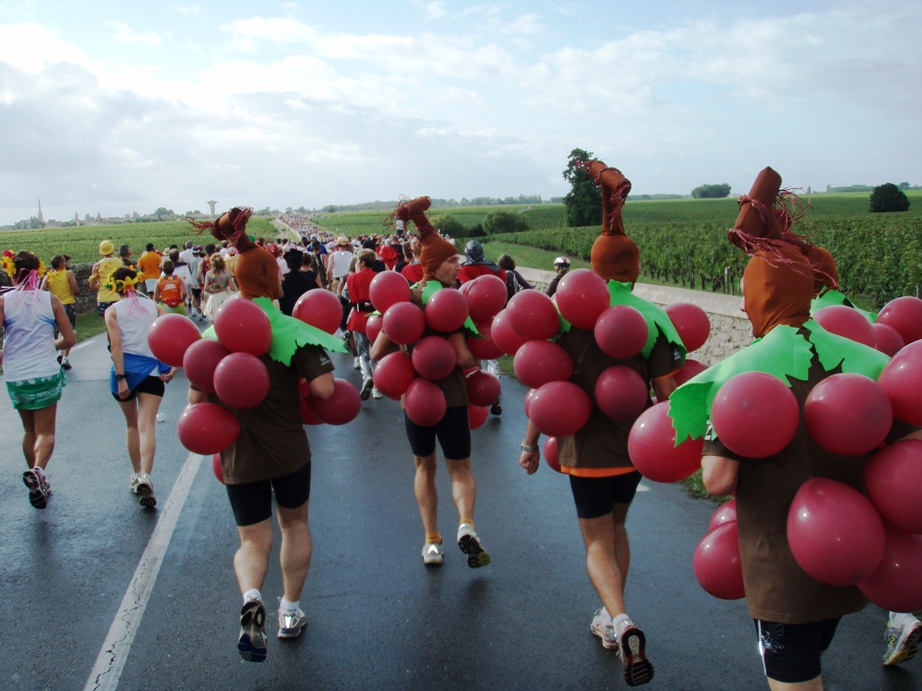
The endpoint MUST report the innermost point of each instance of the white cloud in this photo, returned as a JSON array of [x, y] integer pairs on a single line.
[[125, 34]]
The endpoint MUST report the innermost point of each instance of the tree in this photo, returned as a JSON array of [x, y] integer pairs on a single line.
[[504, 222], [449, 225], [584, 200], [888, 197], [718, 191]]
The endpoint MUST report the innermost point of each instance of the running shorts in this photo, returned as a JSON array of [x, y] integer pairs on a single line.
[[453, 432], [595, 496], [252, 501]]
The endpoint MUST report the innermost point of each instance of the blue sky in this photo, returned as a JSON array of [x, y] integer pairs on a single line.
[[122, 107]]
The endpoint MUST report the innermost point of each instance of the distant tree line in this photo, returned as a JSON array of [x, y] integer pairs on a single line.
[[718, 191]]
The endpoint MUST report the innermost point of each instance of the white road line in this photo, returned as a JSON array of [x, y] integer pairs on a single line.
[[114, 653]]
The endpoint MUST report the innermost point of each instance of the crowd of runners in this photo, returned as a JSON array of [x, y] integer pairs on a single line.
[[270, 461]]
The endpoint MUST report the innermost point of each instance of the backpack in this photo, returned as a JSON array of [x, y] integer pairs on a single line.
[[170, 294], [512, 284]]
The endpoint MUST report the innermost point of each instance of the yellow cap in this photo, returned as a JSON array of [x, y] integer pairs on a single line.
[[106, 247]]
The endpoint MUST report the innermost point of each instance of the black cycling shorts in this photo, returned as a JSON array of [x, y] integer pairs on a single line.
[[596, 496], [252, 501], [453, 432], [150, 384], [791, 652]]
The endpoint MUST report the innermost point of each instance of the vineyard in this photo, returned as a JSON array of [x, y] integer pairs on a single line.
[[354, 223]]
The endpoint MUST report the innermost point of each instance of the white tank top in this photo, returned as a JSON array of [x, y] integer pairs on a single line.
[[134, 323], [28, 350]]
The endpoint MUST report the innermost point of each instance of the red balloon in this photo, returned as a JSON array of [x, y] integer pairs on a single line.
[[319, 308], [169, 337], [434, 357], [551, 455], [241, 381], [242, 327], [621, 393], [901, 380], [527, 401], [477, 415], [425, 403], [848, 414], [718, 565], [895, 584], [207, 428], [725, 513], [582, 295], [690, 369], [446, 310], [216, 467], [691, 322], [905, 315], [559, 408], [889, 340], [483, 388], [393, 374], [532, 315], [651, 445], [342, 407], [621, 331], [486, 296], [388, 288], [373, 327], [847, 322], [404, 322], [503, 335], [307, 415], [835, 533], [484, 348], [755, 415], [539, 362], [893, 477], [200, 361]]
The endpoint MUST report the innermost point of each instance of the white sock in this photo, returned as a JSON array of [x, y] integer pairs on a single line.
[[620, 623], [606, 617], [286, 607], [252, 594]]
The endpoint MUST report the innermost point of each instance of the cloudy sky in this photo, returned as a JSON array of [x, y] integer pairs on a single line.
[[120, 107]]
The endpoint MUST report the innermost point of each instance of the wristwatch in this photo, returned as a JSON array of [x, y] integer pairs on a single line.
[[121, 377], [529, 449]]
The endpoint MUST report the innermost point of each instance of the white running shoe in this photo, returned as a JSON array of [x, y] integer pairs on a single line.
[[470, 544], [356, 363], [432, 554], [133, 482], [375, 393], [605, 631], [146, 491], [291, 625], [902, 640]]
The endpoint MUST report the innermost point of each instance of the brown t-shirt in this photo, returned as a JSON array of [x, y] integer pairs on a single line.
[[272, 441], [777, 589], [602, 442]]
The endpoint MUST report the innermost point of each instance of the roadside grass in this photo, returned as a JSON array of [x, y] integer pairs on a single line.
[[89, 325]]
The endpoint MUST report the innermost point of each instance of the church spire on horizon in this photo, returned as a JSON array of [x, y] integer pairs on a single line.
[[41, 216]]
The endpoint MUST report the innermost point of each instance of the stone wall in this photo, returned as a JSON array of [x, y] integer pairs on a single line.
[[86, 300]]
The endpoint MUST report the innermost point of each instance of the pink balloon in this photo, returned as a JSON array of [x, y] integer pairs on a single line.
[[404, 323], [691, 322], [388, 288], [893, 478], [582, 295], [484, 348], [169, 337], [446, 310], [527, 401], [889, 340], [486, 296], [848, 414], [425, 403], [717, 563], [539, 362], [342, 407], [373, 327], [504, 336], [216, 467], [895, 584], [559, 408], [319, 308], [621, 331], [901, 380], [835, 533], [725, 513], [477, 415], [621, 393], [241, 381], [755, 415], [393, 374], [200, 361], [532, 315], [483, 388], [651, 445], [690, 369], [434, 357], [242, 327], [847, 322], [207, 428], [905, 315], [551, 455]]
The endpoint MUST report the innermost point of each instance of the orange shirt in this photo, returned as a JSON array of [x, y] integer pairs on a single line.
[[149, 263]]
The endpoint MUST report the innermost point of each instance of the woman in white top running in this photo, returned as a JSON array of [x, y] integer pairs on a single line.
[[34, 378], [138, 379]]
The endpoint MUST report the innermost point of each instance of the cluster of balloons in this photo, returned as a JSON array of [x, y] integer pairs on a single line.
[[898, 324], [717, 563], [434, 357]]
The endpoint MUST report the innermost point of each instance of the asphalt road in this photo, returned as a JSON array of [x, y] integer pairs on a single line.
[[85, 575]]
